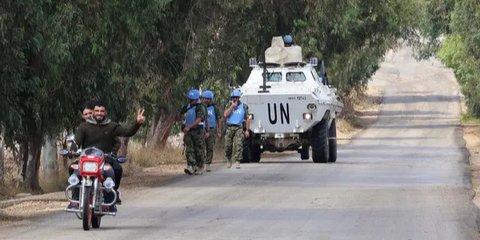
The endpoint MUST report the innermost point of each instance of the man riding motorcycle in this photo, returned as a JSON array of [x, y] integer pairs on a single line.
[[100, 132]]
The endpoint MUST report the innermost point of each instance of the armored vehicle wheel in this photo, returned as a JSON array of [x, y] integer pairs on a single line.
[[320, 142], [255, 153], [332, 142], [304, 152], [246, 154]]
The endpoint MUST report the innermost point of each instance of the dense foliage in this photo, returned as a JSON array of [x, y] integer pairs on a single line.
[[452, 27], [58, 54]]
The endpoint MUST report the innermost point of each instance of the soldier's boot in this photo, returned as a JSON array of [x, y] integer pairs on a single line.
[[237, 164], [229, 164], [189, 170], [207, 168], [199, 171]]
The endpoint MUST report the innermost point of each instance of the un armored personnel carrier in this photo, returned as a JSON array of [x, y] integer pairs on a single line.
[[291, 105]]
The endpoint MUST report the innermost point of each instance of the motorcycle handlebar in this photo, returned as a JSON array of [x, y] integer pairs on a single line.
[[67, 153], [110, 156], [114, 157]]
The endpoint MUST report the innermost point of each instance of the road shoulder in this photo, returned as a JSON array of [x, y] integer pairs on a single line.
[[471, 134]]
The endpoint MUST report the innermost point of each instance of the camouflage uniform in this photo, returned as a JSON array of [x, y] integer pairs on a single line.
[[210, 141], [234, 143], [195, 142], [234, 138]]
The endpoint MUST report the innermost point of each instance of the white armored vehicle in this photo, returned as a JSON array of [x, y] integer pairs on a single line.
[[291, 106]]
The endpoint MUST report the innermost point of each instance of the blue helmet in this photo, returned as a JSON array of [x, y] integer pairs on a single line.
[[193, 94], [236, 93], [207, 94], [287, 39]]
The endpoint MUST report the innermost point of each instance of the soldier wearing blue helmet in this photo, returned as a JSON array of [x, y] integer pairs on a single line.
[[194, 141], [214, 129], [288, 40], [236, 117]]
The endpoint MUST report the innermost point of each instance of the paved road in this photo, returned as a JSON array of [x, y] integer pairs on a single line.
[[406, 177]]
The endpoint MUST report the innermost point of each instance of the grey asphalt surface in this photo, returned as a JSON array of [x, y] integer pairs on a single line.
[[406, 177]]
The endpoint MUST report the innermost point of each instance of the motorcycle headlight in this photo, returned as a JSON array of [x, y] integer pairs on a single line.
[[89, 167], [109, 183], [73, 180]]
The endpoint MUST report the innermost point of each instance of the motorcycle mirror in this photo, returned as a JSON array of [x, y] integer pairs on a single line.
[[63, 152], [71, 138], [121, 159]]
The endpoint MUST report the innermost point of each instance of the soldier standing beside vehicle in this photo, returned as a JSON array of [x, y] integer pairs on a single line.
[[238, 123], [194, 138], [215, 127]]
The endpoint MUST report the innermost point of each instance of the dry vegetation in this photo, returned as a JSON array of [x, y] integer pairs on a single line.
[[359, 112]]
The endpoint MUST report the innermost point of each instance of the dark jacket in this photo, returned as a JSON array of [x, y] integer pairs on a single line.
[[102, 135]]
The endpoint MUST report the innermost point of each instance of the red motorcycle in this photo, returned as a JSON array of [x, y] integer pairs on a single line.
[[90, 177]]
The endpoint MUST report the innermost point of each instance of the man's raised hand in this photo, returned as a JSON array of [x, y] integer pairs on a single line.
[[140, 117]]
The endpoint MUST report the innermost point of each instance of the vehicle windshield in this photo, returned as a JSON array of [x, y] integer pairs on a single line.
[[295, 77], [92, 152], [274, 77]]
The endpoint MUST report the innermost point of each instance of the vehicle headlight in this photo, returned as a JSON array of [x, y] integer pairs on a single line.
[[89, 167], [307, 116]]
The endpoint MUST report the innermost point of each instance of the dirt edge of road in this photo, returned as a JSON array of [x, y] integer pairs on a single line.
[[471, 134]]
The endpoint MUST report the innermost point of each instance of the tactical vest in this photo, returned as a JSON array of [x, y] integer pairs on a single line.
[[212, 118], [205, 112], [237, 116], [190, 115]]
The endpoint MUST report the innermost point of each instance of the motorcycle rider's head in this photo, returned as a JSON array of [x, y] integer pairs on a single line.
[[87, 110], [99, 111]]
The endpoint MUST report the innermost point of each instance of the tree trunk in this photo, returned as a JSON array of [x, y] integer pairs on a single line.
[[2, 160], [124, 146], [49, 159], [30, 163], [162, 131], [22, 159], [33, 165]]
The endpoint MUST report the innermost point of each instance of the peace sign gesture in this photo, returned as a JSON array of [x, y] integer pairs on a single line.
[[140, 117]]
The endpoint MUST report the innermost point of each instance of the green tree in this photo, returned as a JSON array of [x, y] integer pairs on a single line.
[[461, 51], [56, 55]]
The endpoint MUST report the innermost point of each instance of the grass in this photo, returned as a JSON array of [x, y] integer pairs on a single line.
[[467, 118], [147, 157], [360, 110], [140, 157]]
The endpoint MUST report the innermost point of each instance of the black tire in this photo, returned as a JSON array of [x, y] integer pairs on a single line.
[[320, 142], [87, 211], [246, 155], [332, 142], [255, 153], [304, 152], [96, 221]]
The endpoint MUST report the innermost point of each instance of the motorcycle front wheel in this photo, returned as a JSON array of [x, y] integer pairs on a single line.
[[96, 220], [87, 210]]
